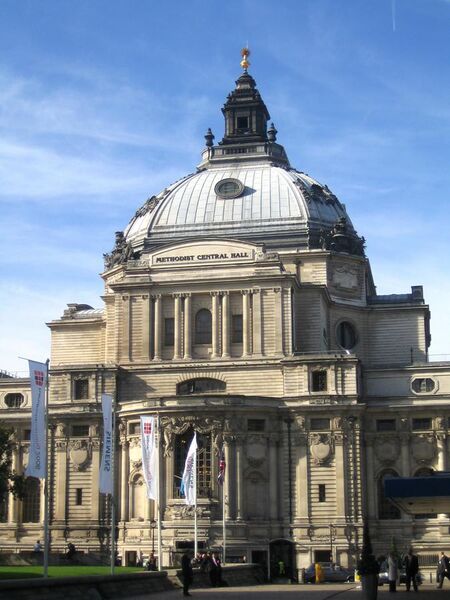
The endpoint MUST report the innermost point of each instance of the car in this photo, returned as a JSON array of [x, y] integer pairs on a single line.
[[383, 577], [331, 571]]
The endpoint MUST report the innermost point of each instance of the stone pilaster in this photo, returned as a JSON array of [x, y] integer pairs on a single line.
[[239, 479], [245, 323], [278, 320], [158, 327], [225, 325], [273, 474], [187, 326], [215, 324], [124, 475], [177, 327]]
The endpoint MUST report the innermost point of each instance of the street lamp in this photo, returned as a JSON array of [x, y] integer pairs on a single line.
[[152, 528]]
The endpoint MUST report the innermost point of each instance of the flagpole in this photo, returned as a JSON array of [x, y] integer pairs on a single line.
[[46, 494], [195, 505], [113, 502], [159, 495], [224, 534]]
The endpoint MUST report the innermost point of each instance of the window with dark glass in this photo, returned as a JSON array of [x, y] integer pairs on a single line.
[[27, 434], [256, 424], [421, 424], [242, 122], [322, 492], [81, 389], [14, 400], [80, 430], [386, 425], [386, 510], [4, 507], [423, 385], [346, 335], [204, 462], [203, 327], [201, 385], [169, 325], [236, 329], [31, 506], [79, 496], [319, 424], [319, 381], [135, 428]]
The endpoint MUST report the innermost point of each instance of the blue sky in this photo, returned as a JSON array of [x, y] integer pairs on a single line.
[[103, 104]]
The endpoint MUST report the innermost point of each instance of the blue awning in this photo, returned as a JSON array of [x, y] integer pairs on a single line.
[[420, 495]]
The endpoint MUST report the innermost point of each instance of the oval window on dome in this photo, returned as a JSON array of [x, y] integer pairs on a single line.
[[229, 188], [346, 335]]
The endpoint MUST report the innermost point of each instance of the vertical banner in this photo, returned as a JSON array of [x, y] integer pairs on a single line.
[[106, 466], [189, 479], [149, 456], [38, 451], [222, 467]]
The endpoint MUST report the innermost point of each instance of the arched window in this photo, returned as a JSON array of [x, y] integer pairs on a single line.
[[204, 462], [31, 507], [424, 472], [202, 385], [386, 510], [137, 498], [203, 327], [14, 400]]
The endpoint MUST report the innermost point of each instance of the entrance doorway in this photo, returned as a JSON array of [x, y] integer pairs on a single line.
[[321, 556], [282, 560], [259, 557]]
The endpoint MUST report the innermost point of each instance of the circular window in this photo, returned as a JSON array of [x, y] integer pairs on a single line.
[[423, 385], [229, 188], [14, 400], [346, 335]]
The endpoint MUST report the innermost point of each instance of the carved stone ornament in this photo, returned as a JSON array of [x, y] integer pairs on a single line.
[[80, 454], [61, 430], [345, 278], [423, 448], [440, 423], [321, 447], [135, 449], [120, 254], [387, 449], [256, 450], [173, 426]]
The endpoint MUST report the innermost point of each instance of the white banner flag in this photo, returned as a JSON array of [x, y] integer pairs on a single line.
[[189, 479], [106, 467], [149, 455], [38, 451]]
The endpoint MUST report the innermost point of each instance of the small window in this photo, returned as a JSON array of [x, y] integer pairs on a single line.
[[14, 400], [422, 424], [203, 327], [236, 329], [242, 122], [319, 381], [27, 434], [79, 497], [81, 389], [169, 325], [346, 335], [256, 425], [80, 430], [319, 424], [201, 385], [322, 492], [423, 385], [386, 425], [135, 428]]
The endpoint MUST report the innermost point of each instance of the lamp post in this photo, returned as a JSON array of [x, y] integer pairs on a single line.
[[152, 528]]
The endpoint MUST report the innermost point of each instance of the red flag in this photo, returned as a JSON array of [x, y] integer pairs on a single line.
[[222, 466]]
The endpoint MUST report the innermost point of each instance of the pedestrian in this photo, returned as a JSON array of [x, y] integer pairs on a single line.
[[215, 574], [411, 564], [71, 551], [443, 570], [37, 546], [186, 572], [151, 564], [392, 572], [281, 568]]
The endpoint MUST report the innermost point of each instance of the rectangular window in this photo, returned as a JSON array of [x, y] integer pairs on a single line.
[[319, 381], [80, 430], [27, 434], [169, 327], [256, 425], [236, 329], [319, 424], [322, 492], [242, 122], [79, 497], [386, 425], [421, 424], [81, 389], [135, 428]]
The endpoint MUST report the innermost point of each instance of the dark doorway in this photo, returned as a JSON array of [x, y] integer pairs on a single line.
[[321, 556], [282, 560], [259, 557]]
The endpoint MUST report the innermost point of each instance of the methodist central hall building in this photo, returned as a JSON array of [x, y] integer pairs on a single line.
[[239, 303]]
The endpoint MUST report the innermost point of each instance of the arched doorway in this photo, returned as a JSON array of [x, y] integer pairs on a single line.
[[282, 560]]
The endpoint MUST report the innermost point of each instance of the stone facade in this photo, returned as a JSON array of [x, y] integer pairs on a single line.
[[280, 351]]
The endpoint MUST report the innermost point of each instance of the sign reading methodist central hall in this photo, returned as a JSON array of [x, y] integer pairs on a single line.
[[183, 254]]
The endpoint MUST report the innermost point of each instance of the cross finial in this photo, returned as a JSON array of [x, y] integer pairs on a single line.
[[245, 53]]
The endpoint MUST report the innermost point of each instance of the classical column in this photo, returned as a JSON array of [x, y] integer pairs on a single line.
[[158, 327], [177, 328], [225, 325], [257, 328], [215, 324], [146, 327], [441, 440], [278, 319], [124, 473], [61, 471], [404, 454], [187, 326], [12, 504], [273, 477], [301, 476], [227, 487], [239, 480], [371, 487], [245, 323], [340, 476], [95, 501]]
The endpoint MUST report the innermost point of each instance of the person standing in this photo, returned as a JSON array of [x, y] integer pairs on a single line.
[[38, 546], [443, 569], [187, 573], [411, 570], [392, 572]]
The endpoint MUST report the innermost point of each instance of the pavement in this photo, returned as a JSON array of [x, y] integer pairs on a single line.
[[343, 591]]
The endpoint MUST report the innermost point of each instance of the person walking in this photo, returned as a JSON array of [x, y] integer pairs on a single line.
[[392, 572], [187, 573], [411, 564], [443, 570]]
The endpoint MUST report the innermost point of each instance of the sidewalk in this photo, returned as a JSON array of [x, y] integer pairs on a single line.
[[300, 592]]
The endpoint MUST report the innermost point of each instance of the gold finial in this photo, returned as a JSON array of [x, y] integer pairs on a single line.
[[245, 53]]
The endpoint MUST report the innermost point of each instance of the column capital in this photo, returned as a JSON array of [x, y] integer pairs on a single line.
[[214, 294], [156, 296]]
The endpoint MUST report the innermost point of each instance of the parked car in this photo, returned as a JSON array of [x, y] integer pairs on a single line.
[[331, 572], [384, 579]]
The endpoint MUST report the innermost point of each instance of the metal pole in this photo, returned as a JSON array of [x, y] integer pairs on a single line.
[[113, 502], [224, 535], [195, 505], [46, 491], [158, 517]]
